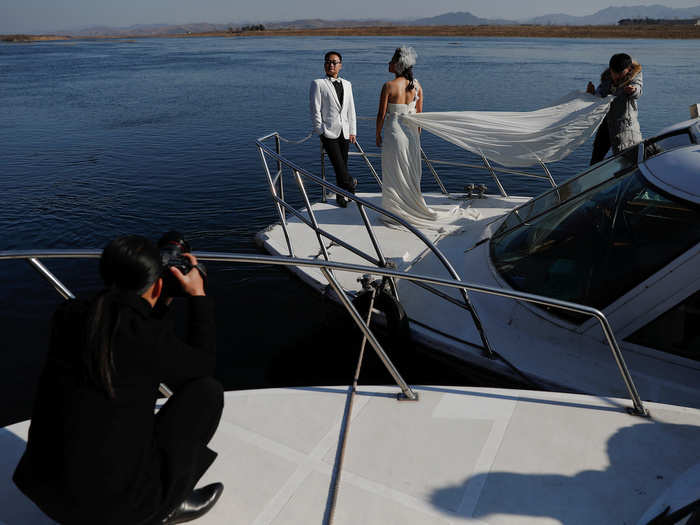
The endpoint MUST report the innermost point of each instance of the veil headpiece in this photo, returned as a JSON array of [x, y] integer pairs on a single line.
[[406, 59]]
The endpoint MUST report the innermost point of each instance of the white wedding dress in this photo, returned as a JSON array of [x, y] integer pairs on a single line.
[[401, 173]]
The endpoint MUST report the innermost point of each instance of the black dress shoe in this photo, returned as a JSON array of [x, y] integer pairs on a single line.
[[341, 201], [195, 505]]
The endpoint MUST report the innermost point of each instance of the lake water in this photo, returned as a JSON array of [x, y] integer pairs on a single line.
[[101, 138]]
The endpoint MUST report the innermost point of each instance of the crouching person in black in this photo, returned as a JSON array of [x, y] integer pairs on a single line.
[[97, 452]]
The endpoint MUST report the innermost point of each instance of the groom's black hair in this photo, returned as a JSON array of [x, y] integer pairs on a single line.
[[327, 55]]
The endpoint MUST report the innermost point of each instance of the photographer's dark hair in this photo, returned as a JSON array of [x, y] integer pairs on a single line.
[[129, 264], [620, 62], [328, 55], [407, 73]]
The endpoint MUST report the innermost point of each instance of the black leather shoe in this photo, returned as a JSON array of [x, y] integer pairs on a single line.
[[341, 201], [195, 505]]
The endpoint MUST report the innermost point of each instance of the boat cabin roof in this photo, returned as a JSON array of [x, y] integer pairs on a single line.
[[673, 160]]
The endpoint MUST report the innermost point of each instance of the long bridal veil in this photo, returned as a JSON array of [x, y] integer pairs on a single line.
[[520, 138]]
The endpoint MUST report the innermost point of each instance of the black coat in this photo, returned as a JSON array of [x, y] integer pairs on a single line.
[[93, 459]]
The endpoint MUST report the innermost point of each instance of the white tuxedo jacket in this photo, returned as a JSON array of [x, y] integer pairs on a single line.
[[328, 117]]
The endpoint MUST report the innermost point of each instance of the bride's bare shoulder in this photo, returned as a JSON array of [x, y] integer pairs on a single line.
[[391, 83], [390, 87]]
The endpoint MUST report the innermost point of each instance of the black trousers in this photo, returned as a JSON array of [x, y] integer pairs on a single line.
[[337, 150], [184, 426], [601, 144]]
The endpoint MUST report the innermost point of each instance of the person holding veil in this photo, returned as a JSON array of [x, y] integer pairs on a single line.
[[401, 152]]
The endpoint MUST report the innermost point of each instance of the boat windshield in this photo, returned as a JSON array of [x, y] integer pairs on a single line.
[[571, 188], [672, 140], [599, 244]]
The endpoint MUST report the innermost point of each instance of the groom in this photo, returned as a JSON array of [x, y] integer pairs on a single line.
[[333, 118]]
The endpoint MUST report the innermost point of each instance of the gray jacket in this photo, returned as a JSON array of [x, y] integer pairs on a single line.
[[623, 126]]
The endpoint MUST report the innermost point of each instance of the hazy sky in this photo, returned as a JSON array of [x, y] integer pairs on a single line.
[[17, 16]]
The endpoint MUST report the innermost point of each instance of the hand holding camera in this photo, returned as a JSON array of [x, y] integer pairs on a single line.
[[177, 261], [192, 283]]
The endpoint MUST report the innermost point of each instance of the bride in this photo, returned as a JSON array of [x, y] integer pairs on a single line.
[[401, 157]]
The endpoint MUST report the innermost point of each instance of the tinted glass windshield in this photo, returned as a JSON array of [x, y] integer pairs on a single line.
[[674, 140], [593, 177], [598, 245]]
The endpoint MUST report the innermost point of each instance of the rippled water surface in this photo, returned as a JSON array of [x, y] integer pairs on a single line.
[[100, 138]]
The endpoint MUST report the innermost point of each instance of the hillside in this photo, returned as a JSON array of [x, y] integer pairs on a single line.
[[612, 15], [458, 19], [605, 17]]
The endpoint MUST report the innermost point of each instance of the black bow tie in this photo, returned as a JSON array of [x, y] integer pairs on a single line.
[[338, 86]]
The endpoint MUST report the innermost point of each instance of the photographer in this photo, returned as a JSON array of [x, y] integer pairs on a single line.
[[97, 452]]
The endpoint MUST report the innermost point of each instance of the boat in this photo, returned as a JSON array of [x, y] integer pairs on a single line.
[[622, 237], [423, 454], [459, 455]]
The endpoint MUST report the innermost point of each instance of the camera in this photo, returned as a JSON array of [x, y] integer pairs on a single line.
[[172, 245]]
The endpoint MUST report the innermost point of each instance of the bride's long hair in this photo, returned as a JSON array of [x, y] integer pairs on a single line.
[[404, 59]]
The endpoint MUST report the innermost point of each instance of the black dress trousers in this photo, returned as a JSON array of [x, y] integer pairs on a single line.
[[601, 144], [337, 150]]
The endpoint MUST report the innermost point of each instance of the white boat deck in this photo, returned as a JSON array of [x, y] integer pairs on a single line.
[[459, 455], [398, 245]]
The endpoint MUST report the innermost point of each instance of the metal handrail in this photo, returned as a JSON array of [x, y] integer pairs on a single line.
[[492, 170], [381, 262], [327, 266], [507, 171], [369, 164], [434, 172]]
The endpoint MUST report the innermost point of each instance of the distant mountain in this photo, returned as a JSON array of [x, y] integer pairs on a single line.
[[460, 18], [165, 29], [557, 19], [612, 15], [608, 16], [317, 23]]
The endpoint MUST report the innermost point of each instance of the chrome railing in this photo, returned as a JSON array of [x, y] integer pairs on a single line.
[[327, 268], [276, 187], [430, 163], [492, 170], [282, 205]]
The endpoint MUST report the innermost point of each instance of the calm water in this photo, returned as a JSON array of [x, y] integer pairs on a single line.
[[141, 136]]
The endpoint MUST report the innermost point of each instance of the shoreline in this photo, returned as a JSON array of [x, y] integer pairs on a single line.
[[670, 31], [23, 39]]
